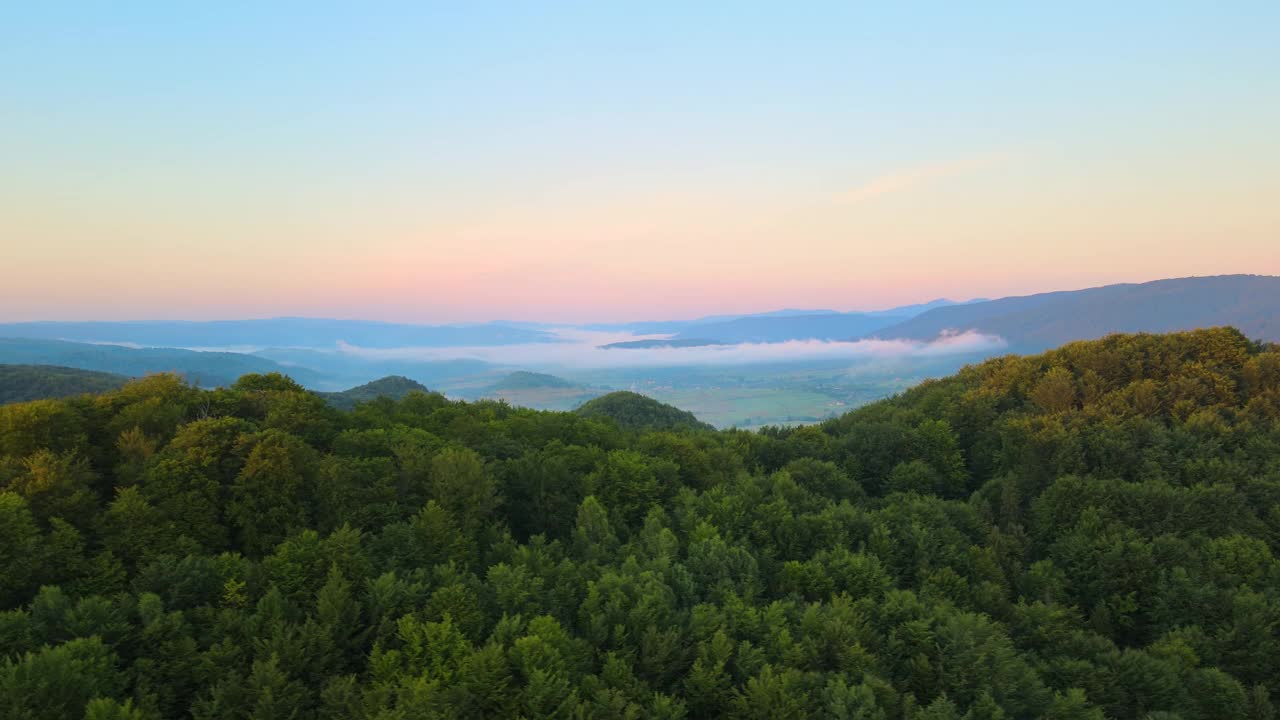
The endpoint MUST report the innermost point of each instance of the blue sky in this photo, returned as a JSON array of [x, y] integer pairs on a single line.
[[539, 154]]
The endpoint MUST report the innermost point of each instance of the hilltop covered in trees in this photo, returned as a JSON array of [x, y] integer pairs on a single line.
[[392, 386], [1087, 533], [634, 411], [525, 380]]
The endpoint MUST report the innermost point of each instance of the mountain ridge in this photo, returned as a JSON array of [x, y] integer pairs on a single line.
[[276, 332], [1030, 323], [212, 368]]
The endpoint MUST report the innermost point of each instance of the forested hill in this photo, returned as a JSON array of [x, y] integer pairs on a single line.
[[394, 387], [19, 383], [525, 380], [1087, 533], [633, 411], [1036, 322]]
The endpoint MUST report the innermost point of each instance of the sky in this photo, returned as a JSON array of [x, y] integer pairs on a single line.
[[573, 162]]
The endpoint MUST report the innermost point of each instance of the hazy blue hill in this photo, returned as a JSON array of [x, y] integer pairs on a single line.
[[909, 311], [661, 343], [394, 387], [1250, 303], [775, 322], [207, 369], [350, 368], [278, 332], [642, 327], [785, 312], [20, 383], [634, 411], [780, 328], [524, 380]]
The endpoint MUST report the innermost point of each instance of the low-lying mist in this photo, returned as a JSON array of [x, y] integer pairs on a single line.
[[583, 349]]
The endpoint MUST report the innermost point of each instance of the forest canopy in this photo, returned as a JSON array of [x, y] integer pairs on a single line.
[[20, 383], [1087, 533]]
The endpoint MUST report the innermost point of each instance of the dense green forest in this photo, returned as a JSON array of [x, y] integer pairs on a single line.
[[1087, 533], [19, 383]]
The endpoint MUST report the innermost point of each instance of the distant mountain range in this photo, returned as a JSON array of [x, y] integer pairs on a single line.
[[730, 328], [670, 342], [343, 369], [771, 327], [278, 332], [780, 328], [208, 369], [1250, 303], [1029, 323]]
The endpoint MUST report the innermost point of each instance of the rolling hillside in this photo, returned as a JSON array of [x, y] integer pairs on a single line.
[[20, 383]]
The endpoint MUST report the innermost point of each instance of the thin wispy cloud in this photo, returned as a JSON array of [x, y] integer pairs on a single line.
[[916, 177]]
